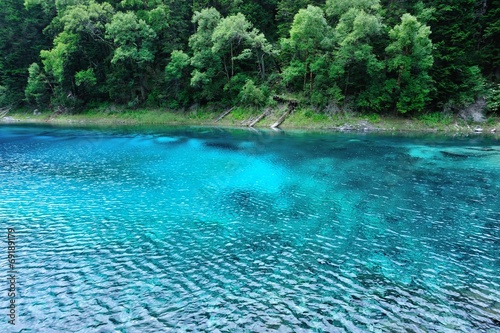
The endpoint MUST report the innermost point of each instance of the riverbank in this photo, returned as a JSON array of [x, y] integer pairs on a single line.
[[242, 117]]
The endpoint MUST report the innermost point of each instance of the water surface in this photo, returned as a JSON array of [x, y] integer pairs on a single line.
[[210, 230]]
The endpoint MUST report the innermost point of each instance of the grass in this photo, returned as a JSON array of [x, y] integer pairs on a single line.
[[302, 117], [436, 119], [305, 117]]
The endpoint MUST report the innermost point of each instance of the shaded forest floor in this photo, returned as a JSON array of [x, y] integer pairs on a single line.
[[301, 118]]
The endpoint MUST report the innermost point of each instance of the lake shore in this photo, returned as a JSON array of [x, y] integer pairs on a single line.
[[242, 117]]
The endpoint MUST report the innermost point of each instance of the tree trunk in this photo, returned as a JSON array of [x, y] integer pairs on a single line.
[[263, 67], [226, 70], [310, 82], [232, 61], [346, 85], [400, 74], [305, 77]]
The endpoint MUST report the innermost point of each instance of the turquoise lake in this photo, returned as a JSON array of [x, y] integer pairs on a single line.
[[225, 230]]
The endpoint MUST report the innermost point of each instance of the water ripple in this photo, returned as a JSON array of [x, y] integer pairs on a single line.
[[207, 231]]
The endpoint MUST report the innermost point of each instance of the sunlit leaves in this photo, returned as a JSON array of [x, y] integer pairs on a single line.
[[55, 60], [132, 37], [178, 62], [357, 68], [85, 77], [221, 47], [410, 58], [339, 8], [36, 89], [309, 39], [90, 18], [204, 60]]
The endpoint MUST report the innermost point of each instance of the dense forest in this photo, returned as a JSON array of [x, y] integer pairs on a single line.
[[383, 56]]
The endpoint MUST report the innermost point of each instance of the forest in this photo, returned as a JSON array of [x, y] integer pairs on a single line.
[[373, 56]]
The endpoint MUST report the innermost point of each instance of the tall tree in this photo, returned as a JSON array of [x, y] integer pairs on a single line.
[[356, 68], [235, 40], [310, 38], [489, 43], [133, 40], [207, 65], [77, 59], [228, 48], [455, 33], [285, 13], [177, 78], [410, 59], [21, 40]]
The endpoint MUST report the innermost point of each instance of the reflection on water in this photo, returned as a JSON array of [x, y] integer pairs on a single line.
[[230, 230]]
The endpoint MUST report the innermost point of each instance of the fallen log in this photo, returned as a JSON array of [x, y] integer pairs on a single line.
[[225, 113], [259, 118]]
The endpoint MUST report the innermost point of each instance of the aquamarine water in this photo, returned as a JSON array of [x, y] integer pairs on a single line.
[[211, 230]]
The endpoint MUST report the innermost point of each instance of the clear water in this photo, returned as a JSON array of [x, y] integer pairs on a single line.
[[210, 230]]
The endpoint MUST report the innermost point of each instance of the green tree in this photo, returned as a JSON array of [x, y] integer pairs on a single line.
[[356, 69], [79, 48], [207, 65], [286, 11], [235, 39], [410, 59], [338, 8], [455, 35], [156, 14], [310, 38], [21, 40], [490, 40], [252, 95], [133, 38], [177, 77], [133, 42], [261, 13], [225, 52], [37, 90]]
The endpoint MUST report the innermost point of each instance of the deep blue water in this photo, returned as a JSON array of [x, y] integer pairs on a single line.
[[211, 230]]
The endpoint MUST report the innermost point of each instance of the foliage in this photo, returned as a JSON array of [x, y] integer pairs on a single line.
[[251, 94], [455, 31], [3, 96], [207, 64], [410, 58], [357, 69], [177, 77], [436, 119], [178, 62], [224, 48], [493, 98], [21, 40], [308, 42], [373, 56], [86, 77], [132, 37], [36, 91]]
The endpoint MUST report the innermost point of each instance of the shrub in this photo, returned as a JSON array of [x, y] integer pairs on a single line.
[[250, 94]]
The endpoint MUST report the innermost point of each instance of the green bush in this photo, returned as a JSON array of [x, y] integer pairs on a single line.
[[252, 95], [3, 93], [373, 117], [436, 119], [493, 98]]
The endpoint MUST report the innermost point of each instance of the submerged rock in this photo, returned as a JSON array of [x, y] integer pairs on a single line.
[[454, 154], [222, 145], [467, 152], [167, 139]]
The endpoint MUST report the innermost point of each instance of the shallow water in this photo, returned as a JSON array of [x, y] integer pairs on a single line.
[[210, 230]]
